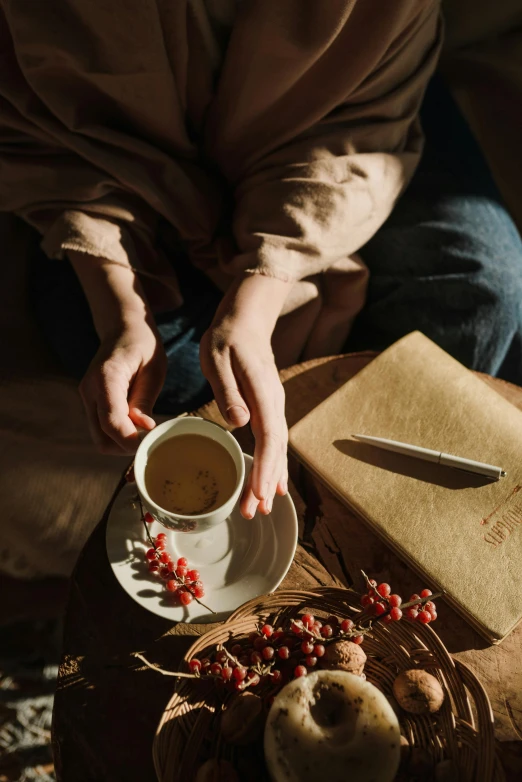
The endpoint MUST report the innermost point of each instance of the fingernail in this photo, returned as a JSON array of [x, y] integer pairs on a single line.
[[268, 504], [236, 414], [251, 510]]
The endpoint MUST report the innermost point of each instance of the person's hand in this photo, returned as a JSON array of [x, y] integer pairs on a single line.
[[237, 359], [121, 386]]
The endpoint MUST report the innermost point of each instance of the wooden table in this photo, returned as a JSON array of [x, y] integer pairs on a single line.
[[107, 705]]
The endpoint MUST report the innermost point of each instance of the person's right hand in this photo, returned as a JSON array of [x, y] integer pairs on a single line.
[[121, 386]]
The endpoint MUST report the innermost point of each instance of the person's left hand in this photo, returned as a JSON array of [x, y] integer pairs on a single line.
[[237, 359]]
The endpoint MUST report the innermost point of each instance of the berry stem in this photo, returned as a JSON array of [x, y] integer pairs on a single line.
[[410, 603], [156, 668], [153, 545]]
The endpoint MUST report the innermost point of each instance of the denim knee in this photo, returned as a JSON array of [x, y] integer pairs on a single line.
[[452, 268]]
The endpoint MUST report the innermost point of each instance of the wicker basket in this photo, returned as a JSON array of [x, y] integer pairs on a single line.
[[189, 733]]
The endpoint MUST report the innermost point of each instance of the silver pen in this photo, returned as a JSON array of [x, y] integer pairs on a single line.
[[427, 455]]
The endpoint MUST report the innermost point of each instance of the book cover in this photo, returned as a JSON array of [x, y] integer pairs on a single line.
[[460, 532]]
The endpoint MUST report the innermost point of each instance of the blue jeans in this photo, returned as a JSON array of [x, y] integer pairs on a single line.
[[447, 262]]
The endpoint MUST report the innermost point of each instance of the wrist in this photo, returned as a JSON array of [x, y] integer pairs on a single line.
[[114, 293], [255, 299]]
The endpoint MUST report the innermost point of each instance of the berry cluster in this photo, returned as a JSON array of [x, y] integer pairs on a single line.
[[182, 582], [378, 602], [272, 657]]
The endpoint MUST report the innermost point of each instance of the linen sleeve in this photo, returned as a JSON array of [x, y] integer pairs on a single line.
[[310, 204]]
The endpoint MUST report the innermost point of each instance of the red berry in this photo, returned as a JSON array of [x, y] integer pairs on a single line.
[[253, 636], [426, 593], [148, 517], [153, 567], [319, 650], [326, 631], [268, 653], [215, 669], [300, 670], [412, 612], [424, 617], [151, 553], [277, 635], [194, 665], [414, 597], [236, 650], [366, 601], [386, 619], [255, 658], [165, 557], [384, 590], [166, 573], [185, 598], [308, 620], [244, 660], [307, 647], [429, 606], [181, 572], [296, 629], [205, 663], [433, 615], [311, 660], [379, 608], [347, 625], [161, 536], [317, 627], [253, 679], [284, 652], [221, 657], [182, 562], [395, 614], [226, 673], [372, 583], [394, 601], [161, 545], [193, 574], [260, 643], [198, 592], [267, 630], [239, 673], [172, 586], [276, 676]]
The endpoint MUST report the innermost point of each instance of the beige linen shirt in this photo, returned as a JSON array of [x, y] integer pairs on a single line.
[[281, 155]]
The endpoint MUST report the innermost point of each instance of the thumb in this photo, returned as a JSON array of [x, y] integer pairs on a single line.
[[144, 392]]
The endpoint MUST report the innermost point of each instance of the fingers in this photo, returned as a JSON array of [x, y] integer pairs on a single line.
[[143, 395], [104, 393], [216, 366], [265, 397]]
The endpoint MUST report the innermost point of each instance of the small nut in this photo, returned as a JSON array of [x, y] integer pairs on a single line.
[[344, 656], [418, 692], [242, 721], [216, 771]]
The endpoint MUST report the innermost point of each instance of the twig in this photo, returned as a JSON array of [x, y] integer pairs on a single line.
[[162, 671], [153, 545]]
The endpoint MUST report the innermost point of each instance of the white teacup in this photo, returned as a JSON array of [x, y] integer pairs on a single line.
[[173, 428]]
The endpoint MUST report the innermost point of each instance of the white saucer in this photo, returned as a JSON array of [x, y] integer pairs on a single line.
[[238, 560]]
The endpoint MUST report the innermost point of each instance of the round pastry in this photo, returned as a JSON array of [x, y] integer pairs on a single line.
[[332, 725]]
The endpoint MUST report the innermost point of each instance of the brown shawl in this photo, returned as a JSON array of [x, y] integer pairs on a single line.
[[284, 162]]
